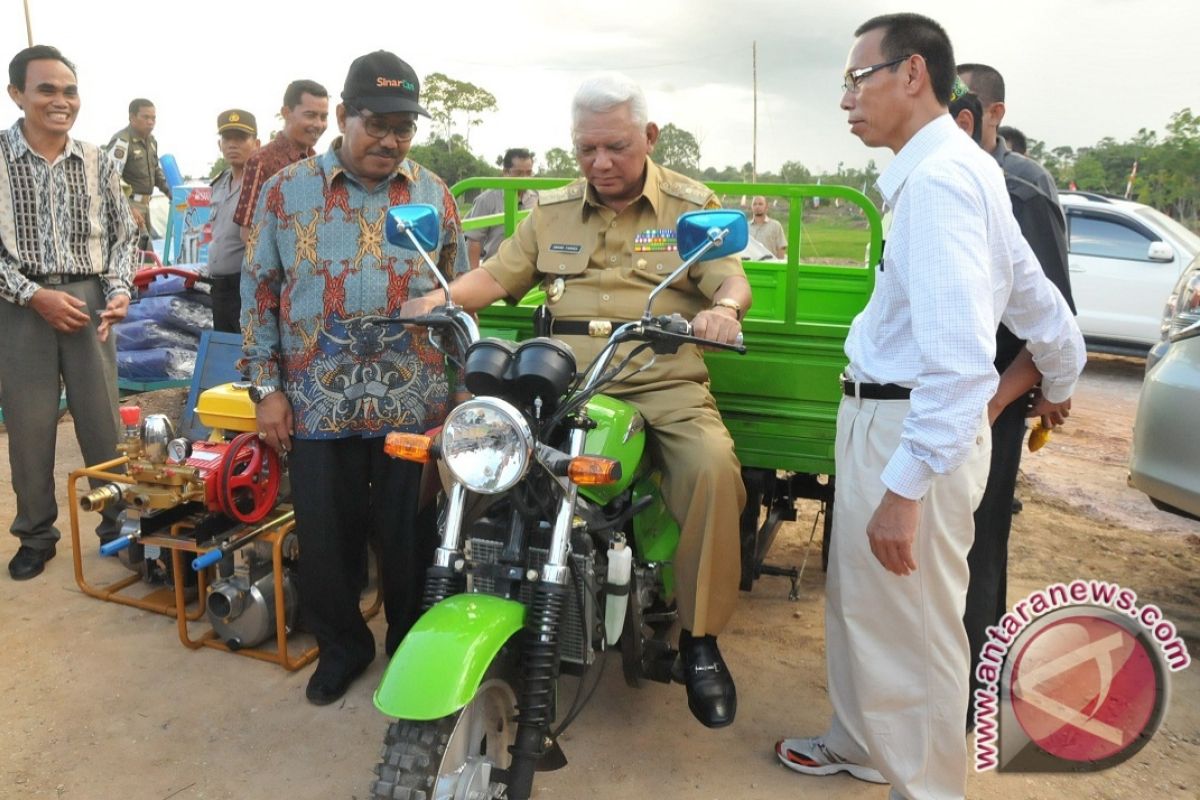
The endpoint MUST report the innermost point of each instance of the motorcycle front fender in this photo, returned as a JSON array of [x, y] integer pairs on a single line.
[[441, 662]]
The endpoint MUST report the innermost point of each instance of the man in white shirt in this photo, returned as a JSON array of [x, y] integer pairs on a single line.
[[913, 440]]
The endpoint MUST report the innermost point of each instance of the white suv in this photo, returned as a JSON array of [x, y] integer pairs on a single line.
[[1124, 258]]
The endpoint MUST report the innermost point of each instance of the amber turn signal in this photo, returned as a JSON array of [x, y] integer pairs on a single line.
[[409, 446], [593, 470]]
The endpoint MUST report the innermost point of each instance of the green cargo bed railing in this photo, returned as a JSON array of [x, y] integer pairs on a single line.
[[780, 400]]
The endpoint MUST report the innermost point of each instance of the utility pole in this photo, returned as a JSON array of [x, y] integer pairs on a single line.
[[28, 26], [754, 151]]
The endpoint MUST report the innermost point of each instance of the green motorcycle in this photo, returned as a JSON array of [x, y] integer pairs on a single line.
[[555, 543]]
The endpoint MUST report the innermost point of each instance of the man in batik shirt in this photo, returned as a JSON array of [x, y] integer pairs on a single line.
[[328, 387]]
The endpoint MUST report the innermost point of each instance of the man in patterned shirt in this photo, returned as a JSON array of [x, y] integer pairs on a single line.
[[328, 386], [66, 257], [305, 115]]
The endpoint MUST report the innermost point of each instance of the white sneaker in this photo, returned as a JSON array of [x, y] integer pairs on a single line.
[[810, 756]]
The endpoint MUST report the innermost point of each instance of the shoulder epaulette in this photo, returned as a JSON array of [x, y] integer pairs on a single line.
[[572, 191], [686, 190]]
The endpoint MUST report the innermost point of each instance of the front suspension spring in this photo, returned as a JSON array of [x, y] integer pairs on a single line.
[[539, 656], [440, 583]]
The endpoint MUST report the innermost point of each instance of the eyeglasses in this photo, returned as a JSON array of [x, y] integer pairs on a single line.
[[854, 77], [376, 128]]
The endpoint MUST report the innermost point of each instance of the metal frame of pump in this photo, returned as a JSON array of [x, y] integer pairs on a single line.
[[270, 526]]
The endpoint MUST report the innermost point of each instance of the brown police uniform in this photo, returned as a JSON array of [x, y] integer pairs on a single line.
[[142, 170], [597, 264]]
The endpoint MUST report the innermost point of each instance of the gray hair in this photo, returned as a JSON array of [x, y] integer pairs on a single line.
[[605, 92]]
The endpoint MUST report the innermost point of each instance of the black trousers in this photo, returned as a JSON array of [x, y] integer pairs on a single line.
[[227, 303], [988, 559], [347, 492]]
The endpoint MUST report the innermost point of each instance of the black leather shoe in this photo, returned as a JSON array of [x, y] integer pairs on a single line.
[[712, 696], [324, 687], [28, 562]]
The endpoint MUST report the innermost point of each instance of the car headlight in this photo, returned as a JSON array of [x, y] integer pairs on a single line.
[[487, 445]]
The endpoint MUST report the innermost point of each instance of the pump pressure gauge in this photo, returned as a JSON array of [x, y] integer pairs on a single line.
[[179, 450]]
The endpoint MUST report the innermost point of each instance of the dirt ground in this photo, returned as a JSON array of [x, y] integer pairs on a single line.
[[100, 701]]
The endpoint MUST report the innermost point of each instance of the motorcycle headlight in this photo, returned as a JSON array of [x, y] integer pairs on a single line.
[[487, 445]]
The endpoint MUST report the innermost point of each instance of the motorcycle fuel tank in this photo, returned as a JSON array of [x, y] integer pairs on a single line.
[[620, 433]]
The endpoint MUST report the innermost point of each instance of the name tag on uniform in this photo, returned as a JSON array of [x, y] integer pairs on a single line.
[[565, 248]]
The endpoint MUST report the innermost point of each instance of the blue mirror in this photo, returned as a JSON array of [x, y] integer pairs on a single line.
[[418, 219], [695, 229]]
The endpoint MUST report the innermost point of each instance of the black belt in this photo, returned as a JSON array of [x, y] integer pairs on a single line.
[[234, 278], [59, 278], [585, 327], [875, 391]]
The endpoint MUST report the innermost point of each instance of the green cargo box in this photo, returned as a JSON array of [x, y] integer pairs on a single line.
[[780, 399]]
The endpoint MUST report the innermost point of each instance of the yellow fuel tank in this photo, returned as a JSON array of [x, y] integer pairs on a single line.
[[227, 407]]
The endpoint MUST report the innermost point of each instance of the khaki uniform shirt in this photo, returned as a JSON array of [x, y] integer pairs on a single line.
[[142, 171], [597, 264]]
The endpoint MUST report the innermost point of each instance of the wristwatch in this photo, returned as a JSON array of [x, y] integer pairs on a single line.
[[729, 302], [259, 393]]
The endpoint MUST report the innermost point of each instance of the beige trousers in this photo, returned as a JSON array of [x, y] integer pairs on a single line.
[[702, 486], [897, 652]]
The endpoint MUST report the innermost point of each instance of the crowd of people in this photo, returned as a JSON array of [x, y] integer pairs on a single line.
[[969, 330]]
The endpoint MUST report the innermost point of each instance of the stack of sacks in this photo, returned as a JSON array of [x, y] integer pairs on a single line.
[[159, 338]]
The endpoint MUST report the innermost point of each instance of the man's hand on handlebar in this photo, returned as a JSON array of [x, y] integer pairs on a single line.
[[420, 306], [717, 324]]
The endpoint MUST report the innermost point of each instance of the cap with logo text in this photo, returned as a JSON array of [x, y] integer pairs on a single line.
[[382, 83], [237, 120]]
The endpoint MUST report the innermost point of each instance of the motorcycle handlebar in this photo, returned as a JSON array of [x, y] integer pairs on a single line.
[[679, 329]]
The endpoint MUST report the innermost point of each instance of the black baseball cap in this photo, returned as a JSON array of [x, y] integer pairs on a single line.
[[383, 83]]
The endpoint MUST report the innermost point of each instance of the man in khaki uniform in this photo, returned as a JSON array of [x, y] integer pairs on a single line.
[[599, 246], [136, 150]]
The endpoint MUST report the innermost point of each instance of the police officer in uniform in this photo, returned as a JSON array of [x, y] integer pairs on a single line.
[[599, 246], [136, 150]]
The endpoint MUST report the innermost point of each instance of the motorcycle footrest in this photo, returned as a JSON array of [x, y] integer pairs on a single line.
[[659, 663], [552, 758]]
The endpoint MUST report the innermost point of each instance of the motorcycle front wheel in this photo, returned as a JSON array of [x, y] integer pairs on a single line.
[[452, 758]]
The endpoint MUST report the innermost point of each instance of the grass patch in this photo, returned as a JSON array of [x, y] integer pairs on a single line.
[[833, 240]]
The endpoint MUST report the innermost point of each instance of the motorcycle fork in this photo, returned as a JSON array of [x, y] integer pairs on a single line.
[[445, 577], [540, 647]]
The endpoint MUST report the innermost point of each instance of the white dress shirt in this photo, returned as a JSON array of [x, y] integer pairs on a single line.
[[955, 266]]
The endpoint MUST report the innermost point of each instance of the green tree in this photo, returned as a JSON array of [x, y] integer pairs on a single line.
[[729, 173], [217, 168], [795, 172], [560, 164], [447, 99], [678, 149], [452, 161]]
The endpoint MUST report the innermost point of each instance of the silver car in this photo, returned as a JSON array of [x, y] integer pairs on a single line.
[[1165, 458]]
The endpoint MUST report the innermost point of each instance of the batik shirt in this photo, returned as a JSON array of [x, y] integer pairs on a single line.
[[66, 217], [316, 264], [278, 153]]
